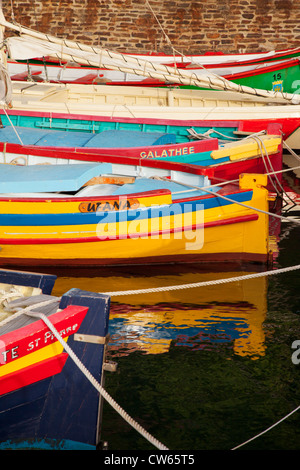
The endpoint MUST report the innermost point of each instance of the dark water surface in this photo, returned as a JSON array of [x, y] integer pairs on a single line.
[[204, 368]]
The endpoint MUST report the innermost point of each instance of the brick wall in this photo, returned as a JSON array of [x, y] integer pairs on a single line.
[[194, 26]]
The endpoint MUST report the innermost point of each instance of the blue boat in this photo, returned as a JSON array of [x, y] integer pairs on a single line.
[[46, 402]]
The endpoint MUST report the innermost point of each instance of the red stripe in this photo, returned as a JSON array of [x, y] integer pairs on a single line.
[[36, 335], [52, 241], [84, 155], [253, 125], [32, 374], [272, 67]]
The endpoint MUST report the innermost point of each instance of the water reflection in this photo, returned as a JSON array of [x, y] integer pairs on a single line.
[[196, 318]]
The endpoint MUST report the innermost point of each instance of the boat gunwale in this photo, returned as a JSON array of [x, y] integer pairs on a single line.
[[225, 190], [265, 69]]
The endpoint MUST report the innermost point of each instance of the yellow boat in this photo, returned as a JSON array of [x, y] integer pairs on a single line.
[[169, 215]]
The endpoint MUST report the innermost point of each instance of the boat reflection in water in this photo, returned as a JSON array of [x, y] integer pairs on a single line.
[[197, 318]]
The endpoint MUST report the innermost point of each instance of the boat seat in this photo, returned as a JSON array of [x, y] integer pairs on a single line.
[[104, 139], [128, 138]]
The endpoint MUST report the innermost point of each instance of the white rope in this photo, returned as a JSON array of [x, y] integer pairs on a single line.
[[27, 309], [204, 283], [209, 191], [96, 385], [12, 125], [89, 376], [266, 430]]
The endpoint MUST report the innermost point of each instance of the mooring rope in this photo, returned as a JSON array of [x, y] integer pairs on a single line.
[[203, 283], [96, 384], [90, 377], [268, 429]]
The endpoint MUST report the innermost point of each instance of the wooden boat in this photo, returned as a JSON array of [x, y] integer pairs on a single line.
[[278, 76], [281, 75], [88, 105], [98, 65], [46, 45], [118, 142], [257, 154], [224, 101], [46, 402], [134, 214], [229, 128]]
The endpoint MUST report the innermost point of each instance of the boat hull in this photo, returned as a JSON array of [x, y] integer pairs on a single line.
[[262, 74], [45, 400], [200, 228], [227, 121], [220, 162]]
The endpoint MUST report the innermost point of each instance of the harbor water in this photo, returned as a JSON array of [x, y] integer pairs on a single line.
[[203, 368]]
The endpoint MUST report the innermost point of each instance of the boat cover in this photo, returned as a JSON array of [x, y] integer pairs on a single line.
[[48, 178]]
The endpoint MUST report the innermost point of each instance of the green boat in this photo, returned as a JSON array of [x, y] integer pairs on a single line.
[[282, 76]]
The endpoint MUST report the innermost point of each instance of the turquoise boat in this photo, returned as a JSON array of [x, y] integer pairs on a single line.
[[222, 159], [95, 124]]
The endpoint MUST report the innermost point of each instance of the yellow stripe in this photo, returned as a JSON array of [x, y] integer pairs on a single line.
[[141, 226], [47, 352]]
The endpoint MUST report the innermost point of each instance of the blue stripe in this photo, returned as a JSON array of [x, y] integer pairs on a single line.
[[201, 158], [118, 216], [45, 444]]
